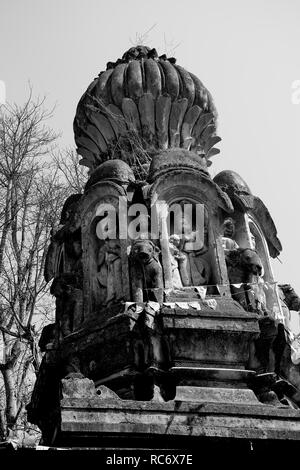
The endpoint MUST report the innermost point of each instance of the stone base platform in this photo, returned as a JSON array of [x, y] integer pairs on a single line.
[[196, 415]]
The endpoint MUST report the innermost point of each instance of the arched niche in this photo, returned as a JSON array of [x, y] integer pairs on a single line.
[[259, 243], [98, 198], [195, 188]]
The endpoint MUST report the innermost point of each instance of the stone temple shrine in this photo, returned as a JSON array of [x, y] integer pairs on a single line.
[[170, 327]]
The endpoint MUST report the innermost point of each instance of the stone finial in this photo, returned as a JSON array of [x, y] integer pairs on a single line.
[[140, 105]]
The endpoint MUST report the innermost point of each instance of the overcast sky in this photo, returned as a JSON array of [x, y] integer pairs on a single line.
[[247, 53]]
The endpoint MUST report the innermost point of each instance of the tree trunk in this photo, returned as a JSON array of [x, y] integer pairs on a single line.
[[3, 432], [10, 393]]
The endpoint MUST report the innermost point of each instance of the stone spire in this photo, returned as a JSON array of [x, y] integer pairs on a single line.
[[140, 105]]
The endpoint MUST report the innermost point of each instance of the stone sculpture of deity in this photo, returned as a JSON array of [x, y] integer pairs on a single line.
[[178, 258], [189, 268], [109, 275], [228, 241]]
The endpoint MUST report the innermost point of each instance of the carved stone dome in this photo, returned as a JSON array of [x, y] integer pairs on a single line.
[[230, 179], [115, 170], [144, 102]]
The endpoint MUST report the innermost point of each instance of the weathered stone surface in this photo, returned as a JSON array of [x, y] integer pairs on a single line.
[[146, 308], [177, 418], [215, 395], [78, 387], [115, 170], [105, 393], [137, 86]]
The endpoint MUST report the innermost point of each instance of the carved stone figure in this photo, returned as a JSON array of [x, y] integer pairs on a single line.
[[228, 241], [242, 265], [258, 289], [193, 267], [109, 274], [74, 253], [178, 259], [61, 233], [146, 272], [67, 289], [199, 268]]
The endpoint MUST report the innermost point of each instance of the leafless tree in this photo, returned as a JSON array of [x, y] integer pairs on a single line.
[[32, 187], [72, 174]]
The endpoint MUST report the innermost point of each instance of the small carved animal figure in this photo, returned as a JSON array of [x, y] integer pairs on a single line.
[[243, 262], [228, 241], [146, 272], [242, 265]]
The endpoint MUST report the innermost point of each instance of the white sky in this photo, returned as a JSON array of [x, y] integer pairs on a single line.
[[247, 53]]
